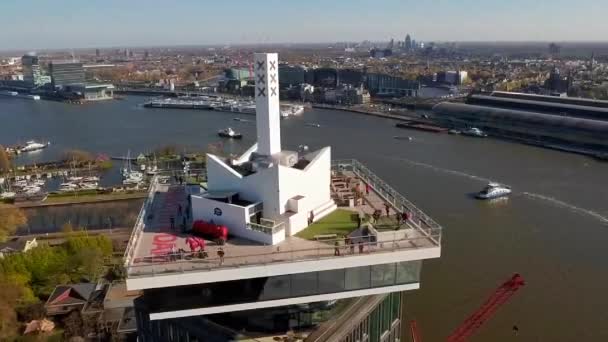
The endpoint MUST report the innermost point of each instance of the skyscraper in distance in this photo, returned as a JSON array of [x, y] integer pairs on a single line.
[[408, 43]]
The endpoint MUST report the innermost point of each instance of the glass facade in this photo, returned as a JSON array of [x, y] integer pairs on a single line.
[[380, 321], [281, 287], [65, 74]]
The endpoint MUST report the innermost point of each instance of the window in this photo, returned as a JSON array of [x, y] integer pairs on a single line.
[[408, 272], [331, 281], [304, 284], [276, 287], [383, 275]]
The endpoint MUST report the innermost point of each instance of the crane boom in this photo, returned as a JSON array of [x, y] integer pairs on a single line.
[[482, 315], [487, 309]]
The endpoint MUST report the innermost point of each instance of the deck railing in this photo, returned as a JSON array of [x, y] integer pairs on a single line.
[[177, 262], [266, 226], [418, 218]]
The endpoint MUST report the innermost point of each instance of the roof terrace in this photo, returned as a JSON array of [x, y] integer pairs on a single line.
[[156, 249]]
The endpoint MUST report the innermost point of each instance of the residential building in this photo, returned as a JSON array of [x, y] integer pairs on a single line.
[[386, 85], [32, 75], [17, 245]]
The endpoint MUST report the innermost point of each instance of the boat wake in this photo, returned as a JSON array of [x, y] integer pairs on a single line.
[[562, 204], [443, 170], [552, 200]]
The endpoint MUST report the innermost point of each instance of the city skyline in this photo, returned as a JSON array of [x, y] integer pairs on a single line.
[[72, 24]]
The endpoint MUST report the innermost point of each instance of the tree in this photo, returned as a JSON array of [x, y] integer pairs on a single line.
[[78, 156], [11, 218], [32, 311], [5, 163], [11, 296]]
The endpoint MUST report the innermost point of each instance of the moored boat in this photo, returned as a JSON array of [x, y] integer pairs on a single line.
[[229, 133]]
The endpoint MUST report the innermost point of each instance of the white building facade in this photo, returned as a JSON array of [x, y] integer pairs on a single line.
[[266, 194]]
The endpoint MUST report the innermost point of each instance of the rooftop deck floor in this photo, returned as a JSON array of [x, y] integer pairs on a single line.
[[157, 250]]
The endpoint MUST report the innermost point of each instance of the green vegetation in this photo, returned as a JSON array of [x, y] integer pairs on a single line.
[[105, 164], [5, 163], [90, 196], [10, 219], [340, 222], [27, 278]]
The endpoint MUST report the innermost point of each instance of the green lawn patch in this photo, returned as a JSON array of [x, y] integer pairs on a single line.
[[340, 222]]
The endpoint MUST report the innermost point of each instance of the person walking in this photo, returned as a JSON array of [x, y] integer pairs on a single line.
[[367, 188], [336, 248], [311, 218], [179, 210], [387, 208], [172, 220], [359, 220], [220, 254]]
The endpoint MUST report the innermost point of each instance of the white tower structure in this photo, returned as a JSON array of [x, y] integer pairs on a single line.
[[267, 194], [268, 120]]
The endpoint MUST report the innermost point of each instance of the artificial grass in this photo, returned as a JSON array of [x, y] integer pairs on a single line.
[[340, 222]]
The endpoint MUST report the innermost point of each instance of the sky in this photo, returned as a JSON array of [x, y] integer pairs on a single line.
[[44, 24]]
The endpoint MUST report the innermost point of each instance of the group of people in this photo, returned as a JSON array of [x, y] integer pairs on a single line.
[[350, 244]]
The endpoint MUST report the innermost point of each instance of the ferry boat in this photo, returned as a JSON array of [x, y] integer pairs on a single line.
[[229, 133], [474, 132], [32, 145], [494, 190]]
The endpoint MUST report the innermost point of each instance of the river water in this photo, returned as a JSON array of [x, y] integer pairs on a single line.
[[553, 230]]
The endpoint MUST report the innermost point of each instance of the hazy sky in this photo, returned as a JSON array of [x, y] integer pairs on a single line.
[[37, 24]]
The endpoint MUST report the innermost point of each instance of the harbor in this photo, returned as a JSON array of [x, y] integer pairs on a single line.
[[532, 231]]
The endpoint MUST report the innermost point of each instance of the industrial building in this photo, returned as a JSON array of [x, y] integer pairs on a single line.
[[543, 104], [265, 276], [541, 128]]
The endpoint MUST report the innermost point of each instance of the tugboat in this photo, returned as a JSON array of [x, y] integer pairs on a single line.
[[229, 133], [474, 132], [493, 190]]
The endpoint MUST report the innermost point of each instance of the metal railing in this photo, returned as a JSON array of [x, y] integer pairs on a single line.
[[140, 222], [210, 260], [266, 226], [418, 218]]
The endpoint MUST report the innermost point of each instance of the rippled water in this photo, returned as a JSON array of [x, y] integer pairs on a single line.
[[553, 229]]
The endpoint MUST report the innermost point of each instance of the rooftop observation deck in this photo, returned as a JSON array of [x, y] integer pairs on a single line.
[[155, 250]]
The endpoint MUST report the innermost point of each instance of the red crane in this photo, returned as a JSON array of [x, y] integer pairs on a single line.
[[502, 295]]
